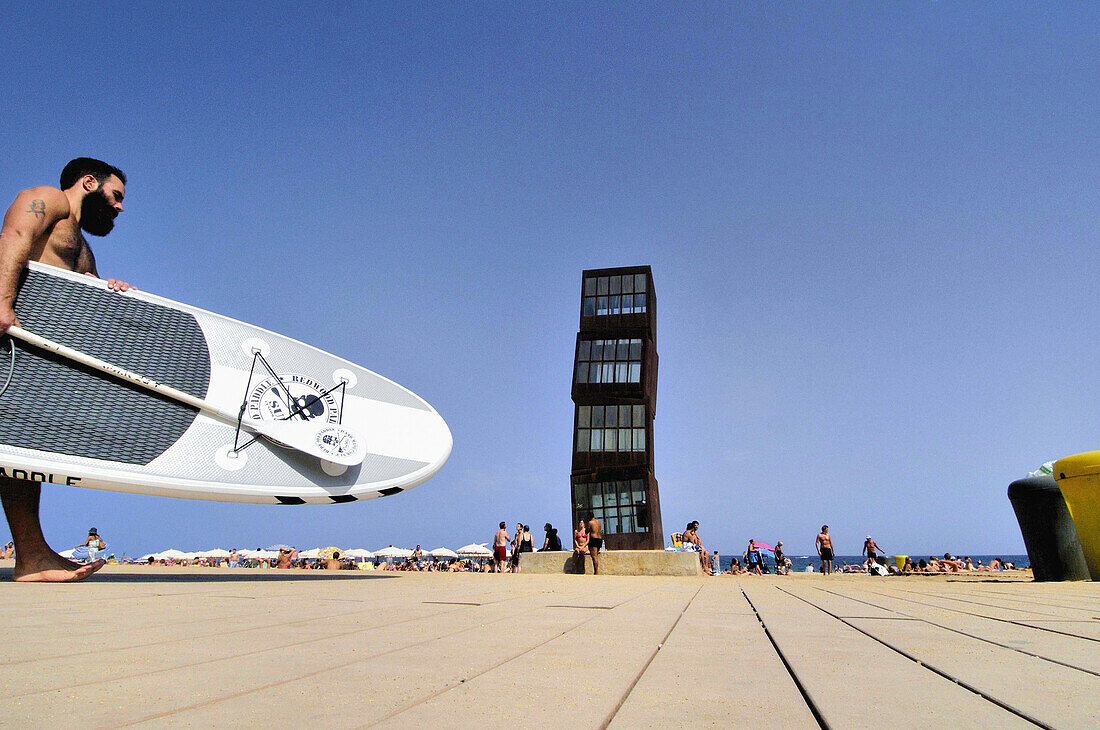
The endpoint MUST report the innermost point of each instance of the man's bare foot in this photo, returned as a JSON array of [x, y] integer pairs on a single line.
[[53, 569]]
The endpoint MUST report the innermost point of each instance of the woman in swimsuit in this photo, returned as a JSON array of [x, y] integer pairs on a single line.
[[580, 546]]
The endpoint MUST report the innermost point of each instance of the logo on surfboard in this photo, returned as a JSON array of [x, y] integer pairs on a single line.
[[336, 441], [293, 394]]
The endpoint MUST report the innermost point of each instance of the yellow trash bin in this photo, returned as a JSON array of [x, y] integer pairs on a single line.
[[1079, 479], [899, 560]]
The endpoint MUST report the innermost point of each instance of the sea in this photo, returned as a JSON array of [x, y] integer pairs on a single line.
[[799, 563]]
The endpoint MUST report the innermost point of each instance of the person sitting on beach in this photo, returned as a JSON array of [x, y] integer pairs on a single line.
[[952, 564], [552, 543], [735, 567], [580, 546], [9, 551], [283, 561], [691, 537], [907, 567], [94, 543]]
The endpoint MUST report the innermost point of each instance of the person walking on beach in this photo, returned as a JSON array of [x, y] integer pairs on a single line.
[[752, 558], [500, 550], [780, 562], [595, 540], [47, 224], [825, 550], [871, 550]]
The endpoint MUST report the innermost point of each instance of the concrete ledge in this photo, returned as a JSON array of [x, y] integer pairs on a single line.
[[616, 562]]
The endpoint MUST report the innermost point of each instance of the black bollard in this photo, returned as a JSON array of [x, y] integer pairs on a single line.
[[1049, 533]]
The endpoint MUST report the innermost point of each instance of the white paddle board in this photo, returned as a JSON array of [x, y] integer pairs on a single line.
[[65, 423]]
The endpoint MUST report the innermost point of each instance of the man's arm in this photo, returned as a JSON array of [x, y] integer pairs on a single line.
[[29, 219]]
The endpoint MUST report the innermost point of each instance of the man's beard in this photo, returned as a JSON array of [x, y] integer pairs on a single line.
[[97, 216]]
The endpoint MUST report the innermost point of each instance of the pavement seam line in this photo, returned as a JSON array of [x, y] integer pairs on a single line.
[[448, 688], [994, 618], [921, 663], [192, 665], [645, 667], [969, 635], [810, 704], [307, 675], [360, 660]]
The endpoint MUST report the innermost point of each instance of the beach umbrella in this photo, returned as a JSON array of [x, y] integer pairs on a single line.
[[67, 554], [475, 550], [329, 552], [215, 553], [442, 552], [170, 554], [359, 554], [310, 554], [763, 546], [279, 547], [392, 552]]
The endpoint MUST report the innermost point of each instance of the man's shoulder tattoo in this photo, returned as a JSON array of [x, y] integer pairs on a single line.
[[38, 207]]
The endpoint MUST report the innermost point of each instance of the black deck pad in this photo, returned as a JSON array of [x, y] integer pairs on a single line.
[[54, 404]]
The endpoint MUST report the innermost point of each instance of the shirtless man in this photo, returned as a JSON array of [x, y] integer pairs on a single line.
[[595, 541], [872, 550], [691, 536], [825, 550], [500, 549], [44, 224]]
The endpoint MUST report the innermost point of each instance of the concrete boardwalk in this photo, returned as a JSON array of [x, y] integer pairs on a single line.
[[188, 647]]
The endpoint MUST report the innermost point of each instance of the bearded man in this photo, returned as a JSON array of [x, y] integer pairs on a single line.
[[45, 224]]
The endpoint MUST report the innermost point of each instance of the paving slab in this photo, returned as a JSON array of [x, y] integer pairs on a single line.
[[234, 648], [1056, 647], [717, 669], [854, 681]]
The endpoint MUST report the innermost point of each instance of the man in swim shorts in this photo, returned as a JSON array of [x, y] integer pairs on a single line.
[[47, 224], [825, 549], [500, 550], [871, 548], [595, 541]]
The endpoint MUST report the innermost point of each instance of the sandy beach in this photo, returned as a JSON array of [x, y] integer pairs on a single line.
[[159, 646]]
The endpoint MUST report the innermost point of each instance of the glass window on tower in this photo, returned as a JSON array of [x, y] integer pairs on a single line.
[[609, 361]]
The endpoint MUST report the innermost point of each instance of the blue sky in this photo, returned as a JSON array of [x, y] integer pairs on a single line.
[[871, 226]]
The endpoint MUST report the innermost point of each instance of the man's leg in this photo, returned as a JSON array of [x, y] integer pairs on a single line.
[[34, 560], [595, 553]]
